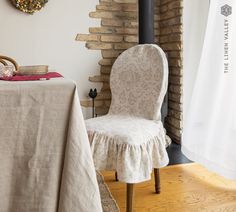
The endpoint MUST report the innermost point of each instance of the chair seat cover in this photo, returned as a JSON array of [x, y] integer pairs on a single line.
[[132, 146]]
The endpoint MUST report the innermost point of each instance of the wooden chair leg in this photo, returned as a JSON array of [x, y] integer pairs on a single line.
[[116, 176], [157, 181], [129, 197]]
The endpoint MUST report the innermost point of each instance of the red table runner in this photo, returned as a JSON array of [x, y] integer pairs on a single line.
[[32, 77]]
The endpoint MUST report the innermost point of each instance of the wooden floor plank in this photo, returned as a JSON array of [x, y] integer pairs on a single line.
[[184, 188]]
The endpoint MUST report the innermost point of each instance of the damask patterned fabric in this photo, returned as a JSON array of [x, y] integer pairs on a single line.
[[131, 138], [139, 82]]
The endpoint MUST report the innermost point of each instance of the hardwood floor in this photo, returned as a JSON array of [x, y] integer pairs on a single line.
[[184, 188]]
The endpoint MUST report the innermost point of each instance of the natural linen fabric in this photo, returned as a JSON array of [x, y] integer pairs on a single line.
[[139, 80], [46, 162], [131, 138]]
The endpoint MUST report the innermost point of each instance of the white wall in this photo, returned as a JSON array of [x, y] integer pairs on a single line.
[[48, 37], [195, 20]]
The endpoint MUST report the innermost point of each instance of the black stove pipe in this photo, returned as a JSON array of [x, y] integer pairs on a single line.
[[146, 21]]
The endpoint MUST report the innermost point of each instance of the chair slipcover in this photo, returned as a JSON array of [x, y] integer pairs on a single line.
[[130, 138]]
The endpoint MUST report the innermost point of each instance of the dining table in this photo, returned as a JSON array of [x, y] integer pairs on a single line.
[[46, 163]]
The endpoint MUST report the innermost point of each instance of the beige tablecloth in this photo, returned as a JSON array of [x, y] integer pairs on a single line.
[[45, 159]]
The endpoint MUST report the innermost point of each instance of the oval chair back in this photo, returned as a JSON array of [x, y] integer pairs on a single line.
[[139, 80]]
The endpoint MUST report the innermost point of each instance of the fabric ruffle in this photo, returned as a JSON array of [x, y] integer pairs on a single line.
[[133, 163]]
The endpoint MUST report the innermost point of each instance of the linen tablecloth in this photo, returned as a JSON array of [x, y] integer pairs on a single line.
[[45, 158]]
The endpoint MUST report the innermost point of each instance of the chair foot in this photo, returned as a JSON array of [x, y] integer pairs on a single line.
[[157, 181], [129, 197], [116, 177]]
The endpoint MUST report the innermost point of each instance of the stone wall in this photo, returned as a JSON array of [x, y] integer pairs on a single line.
[[170, 40], [119, 31]]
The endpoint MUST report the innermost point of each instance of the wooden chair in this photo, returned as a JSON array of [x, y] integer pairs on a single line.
[[131, 139]]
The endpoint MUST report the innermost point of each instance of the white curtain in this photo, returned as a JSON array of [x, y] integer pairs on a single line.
[[209, 135]]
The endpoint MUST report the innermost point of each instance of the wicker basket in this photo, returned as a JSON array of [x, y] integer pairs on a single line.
[[33, 70], [23, 70], [5, 61]]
